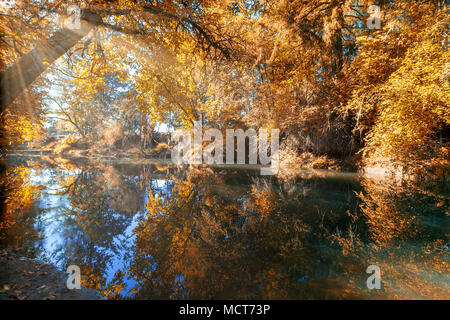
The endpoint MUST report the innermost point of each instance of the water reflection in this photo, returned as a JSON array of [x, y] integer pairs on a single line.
[[152, 231]]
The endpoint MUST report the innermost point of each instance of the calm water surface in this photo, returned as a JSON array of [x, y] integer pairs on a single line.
[[157, 232]]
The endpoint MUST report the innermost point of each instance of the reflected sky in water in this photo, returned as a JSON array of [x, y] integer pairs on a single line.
[[159, 232]]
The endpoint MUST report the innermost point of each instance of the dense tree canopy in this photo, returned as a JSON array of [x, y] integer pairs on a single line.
[[310, 68]]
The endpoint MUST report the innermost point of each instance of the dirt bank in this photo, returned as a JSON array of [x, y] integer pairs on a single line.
[[26, 279]]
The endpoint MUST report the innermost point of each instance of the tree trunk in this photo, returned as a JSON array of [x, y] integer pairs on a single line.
[[19, 76]]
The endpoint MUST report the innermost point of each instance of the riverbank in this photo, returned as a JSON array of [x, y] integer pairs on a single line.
[[26, 279], [162, 154]]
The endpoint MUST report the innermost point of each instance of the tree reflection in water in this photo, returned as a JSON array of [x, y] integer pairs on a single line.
[[159, 232]]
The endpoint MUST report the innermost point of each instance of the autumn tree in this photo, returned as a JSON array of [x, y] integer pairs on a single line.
[[399, 87]]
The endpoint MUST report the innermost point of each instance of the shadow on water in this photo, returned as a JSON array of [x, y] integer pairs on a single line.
[[155, 231]]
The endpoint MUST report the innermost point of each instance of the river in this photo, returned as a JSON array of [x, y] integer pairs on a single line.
[[156, 231]]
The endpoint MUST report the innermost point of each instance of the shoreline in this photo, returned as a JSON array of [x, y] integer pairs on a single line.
[[377, 172]]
